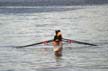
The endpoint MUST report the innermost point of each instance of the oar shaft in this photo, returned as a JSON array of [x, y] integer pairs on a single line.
[[35, 44], [79, 42]]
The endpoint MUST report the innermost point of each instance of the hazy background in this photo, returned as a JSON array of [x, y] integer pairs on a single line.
[[50, 2]]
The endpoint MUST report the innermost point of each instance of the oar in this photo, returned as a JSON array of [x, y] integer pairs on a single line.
[[79, 42], [43, 42]]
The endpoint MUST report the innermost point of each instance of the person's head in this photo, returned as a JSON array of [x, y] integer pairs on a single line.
[[57, 31]]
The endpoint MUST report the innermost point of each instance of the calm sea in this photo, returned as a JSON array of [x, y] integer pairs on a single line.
[[26, 25]]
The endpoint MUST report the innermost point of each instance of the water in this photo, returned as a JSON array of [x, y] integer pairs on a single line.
[[27, 25]]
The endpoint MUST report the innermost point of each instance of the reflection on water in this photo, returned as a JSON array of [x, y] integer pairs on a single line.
[[22, 26], [58, 61]]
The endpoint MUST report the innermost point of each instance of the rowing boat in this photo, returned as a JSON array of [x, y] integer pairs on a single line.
[[58, 50]]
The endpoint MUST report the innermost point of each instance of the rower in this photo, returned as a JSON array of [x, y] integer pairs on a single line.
[[57, 43]]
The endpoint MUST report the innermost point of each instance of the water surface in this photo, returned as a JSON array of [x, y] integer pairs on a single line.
[[27, 25]]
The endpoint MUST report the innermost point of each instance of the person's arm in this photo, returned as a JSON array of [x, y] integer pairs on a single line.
[[60, 38], [54, 38]]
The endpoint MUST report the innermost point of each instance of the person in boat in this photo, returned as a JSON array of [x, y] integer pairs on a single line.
[[57, 43]]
